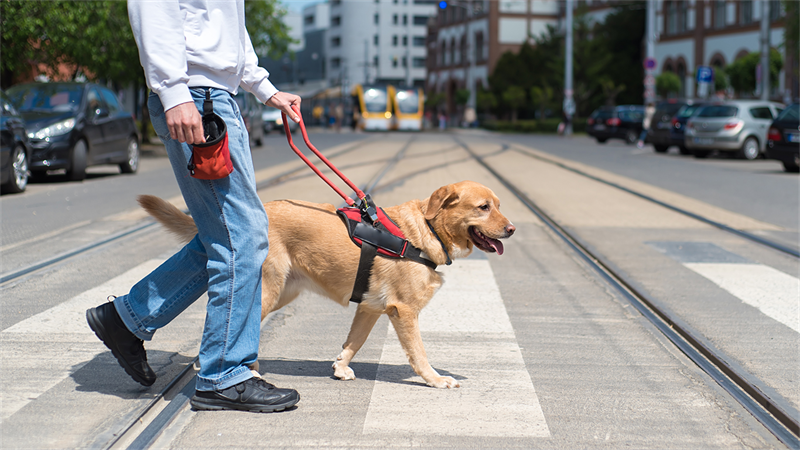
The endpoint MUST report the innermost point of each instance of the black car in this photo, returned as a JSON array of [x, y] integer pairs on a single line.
[[783, 138], [661, 125], [677, 128], [15, 151], [76, 125], [620, 122]]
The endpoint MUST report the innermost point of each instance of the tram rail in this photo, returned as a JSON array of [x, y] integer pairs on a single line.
[[741, 386]]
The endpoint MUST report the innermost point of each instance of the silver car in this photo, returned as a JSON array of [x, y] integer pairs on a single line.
[[736, 126]]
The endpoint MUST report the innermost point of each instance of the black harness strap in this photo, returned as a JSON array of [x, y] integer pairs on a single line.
[[368, 253]]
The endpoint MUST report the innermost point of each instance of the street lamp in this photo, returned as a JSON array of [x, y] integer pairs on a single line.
[[471, 52]]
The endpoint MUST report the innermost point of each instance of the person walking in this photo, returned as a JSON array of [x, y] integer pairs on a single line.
[[193, 50], [649, 112]]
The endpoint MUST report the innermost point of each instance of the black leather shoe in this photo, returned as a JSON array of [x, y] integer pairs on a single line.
[[254, 394], [124, 345]]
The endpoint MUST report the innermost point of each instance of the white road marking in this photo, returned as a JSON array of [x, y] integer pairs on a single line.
[[468, 335], [43, 350], [771, 291]]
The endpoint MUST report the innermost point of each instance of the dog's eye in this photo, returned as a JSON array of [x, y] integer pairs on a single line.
[[484, 207]]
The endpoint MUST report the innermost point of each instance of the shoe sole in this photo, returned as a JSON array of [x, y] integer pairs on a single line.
[[99, 330], [200, 404]]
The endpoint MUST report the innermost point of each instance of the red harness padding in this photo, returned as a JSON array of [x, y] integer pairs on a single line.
[[382, 237]]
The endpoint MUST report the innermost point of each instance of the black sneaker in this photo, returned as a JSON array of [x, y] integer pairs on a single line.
[[124, 345], [253, 394]]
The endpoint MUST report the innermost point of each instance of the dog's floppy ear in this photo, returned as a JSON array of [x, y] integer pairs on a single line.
[[442, 198]]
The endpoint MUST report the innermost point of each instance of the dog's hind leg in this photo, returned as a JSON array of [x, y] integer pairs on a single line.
[[362, 325], [406, 323]]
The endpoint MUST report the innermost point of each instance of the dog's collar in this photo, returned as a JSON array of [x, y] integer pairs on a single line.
[[446, 253]]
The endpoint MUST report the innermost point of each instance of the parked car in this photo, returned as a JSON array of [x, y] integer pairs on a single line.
[[783, 138], [660, 133], [251, 110], [677, 129], [620, 122], [15, 151], [736, 126], [273, 121], [76, 125]]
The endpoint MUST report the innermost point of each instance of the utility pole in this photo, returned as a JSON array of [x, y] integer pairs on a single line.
[[764, 50], [366, 61], [471, 50], [569, 102], [650, 51]]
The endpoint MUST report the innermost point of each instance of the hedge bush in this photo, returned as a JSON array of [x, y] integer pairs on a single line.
[[533, 126]]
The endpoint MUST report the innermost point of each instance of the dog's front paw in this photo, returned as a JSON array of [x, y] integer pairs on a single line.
[[343, 372], [444, 383]]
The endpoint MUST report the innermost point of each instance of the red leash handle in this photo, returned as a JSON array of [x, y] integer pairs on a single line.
[[355, 188]]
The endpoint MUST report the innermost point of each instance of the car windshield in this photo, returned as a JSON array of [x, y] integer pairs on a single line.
[[792, 113], [631, 116], [601, 114], [408, 101], [718, 111], [688, 110], [46, 97], [665, 111], [375, 99]]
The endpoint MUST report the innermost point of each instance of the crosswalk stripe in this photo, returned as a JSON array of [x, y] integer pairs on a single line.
[[43, 350], [771, 291], [468, 335]]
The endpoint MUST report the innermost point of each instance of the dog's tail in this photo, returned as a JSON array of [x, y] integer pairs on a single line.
[[172, 218]]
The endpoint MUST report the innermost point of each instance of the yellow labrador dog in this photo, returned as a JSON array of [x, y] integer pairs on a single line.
[[309, 248]]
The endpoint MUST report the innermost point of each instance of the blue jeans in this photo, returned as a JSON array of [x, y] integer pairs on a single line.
[[224, 258]]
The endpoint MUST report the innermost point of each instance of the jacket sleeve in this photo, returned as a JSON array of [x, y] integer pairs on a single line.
[[158, 31], [255, 79]]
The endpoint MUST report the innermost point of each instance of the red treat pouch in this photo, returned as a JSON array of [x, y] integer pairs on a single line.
[[211, 160]]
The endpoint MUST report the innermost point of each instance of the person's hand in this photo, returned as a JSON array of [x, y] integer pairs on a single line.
[[185, 124], [284, 102]]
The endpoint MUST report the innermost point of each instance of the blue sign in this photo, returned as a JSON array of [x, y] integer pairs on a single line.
[[705, 74], [650, 63], [442, 4]]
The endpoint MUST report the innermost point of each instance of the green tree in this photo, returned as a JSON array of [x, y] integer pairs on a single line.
[[668, 83], [486, 100], [541, 96], [514, 97], [742, 72], [268, 33]]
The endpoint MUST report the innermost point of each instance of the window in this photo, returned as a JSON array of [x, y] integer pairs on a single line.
[[745, 12], [405, 62], [405, 19], [394, 61], [775, 10], [336, 2], [762, 112], [336, 41], [442, 55], [336, 21], [718, 111], [336, 63], [463, 57], [478, 46], [375, 39], [426, 2], [111, 101], [394, 19], [421, 20], [308, 20], [719, 14], [419, 41], [375, 61], [418, 62], [394, 41], [672, 18], [452, 51], [93, 102], [405, 41], [377, 19], [683, 17]]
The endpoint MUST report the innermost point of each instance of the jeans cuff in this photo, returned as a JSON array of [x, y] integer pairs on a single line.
[[129, 319], [240, 374]]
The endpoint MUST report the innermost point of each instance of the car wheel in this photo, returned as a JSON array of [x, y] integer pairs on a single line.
[[701, 153], [790, 167], [749, 150], [601, 141], [661, 148], [131, 165], [19, 171], [259, 142], [631, 137], [683, 150], [77, 170]]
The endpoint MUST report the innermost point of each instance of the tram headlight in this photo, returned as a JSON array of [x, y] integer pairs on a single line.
[[388, 115]]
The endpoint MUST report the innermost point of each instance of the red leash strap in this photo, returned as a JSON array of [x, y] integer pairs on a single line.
[[355, 188]]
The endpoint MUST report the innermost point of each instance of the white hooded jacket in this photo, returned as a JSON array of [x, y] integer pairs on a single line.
[[192, 43]]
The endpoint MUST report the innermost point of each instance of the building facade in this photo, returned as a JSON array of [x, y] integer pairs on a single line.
[[716, 33], [380, 41]]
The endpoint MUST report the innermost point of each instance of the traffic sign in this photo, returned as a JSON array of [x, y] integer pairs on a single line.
[[705, 74], [649, 80], [650, 63]]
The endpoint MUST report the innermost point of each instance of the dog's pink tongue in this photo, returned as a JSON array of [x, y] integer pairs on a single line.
[[496, 245]]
